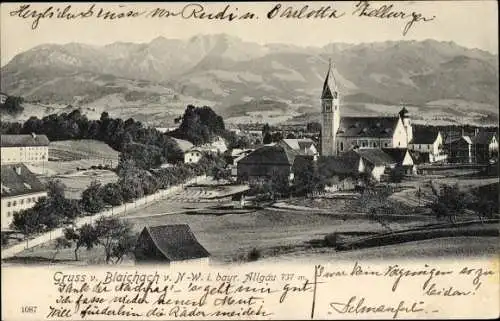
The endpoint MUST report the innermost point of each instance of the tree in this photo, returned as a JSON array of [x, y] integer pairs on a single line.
[[61, 243], [92, 198], [220, 173], [12, 105], [396, 176], [266, 129], [116, 237], [279, 185], [277, 136], [85, 236], [112, 194], [124, 246], [306, 179], [55, 188], [313, 127], [267, 139], [450, 202]]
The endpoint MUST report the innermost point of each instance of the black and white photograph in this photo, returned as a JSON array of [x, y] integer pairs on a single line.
[[240, 134]]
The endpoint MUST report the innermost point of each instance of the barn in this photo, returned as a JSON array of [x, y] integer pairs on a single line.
[[169, 244]]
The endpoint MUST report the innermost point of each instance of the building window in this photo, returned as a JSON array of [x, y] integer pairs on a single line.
[[8, 204], [341, 146], [399, 143], [14, 203], [21, 202]]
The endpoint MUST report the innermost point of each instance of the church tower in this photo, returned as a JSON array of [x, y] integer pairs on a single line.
[[330, 114], [405, 118]]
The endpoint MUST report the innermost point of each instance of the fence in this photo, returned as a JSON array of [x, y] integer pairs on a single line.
[[58, 232]]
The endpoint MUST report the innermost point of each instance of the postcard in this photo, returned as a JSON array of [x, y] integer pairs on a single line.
[[249, 160]]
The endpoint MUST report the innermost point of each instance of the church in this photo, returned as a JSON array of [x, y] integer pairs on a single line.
[[342, 134]]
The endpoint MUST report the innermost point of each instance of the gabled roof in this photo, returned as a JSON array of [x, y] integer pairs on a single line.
[[17, 179], [483, 138], [301, 145], [184, 145], [457, 139], [397, 154], [23, 140], [270, 155], [424, 135], [375, 156], [177, 242], [345, 164], [378, 127]]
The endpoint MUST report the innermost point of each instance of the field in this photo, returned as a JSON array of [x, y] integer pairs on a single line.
[[70, 150], [281, 233], [70, 161], [76, 183]]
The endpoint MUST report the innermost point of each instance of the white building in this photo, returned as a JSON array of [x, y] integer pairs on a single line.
[[24, 149], [341, 134], [429, 143], [217, 146], [21, 189], [193, 156], [3, 98]]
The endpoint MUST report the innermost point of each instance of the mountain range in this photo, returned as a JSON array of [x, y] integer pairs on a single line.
[[247, 82]]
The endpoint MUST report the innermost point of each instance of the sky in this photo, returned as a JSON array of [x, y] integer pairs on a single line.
[[471, 24]]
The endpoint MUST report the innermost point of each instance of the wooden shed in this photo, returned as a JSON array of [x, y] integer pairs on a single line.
[[168, 244]]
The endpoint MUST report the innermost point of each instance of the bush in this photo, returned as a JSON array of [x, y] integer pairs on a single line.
[[253, 255]]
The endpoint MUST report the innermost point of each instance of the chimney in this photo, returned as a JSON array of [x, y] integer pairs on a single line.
[[18, 170], [33, 135]]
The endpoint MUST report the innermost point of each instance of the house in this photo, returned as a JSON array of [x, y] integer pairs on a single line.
[[216, 146], [236, 155], [266, 162], [485, 146], [303, 146], [375, 161], [403, 159], [193, 155], [342, 134], [3, 98], [24, 149], [341, 172], [427, 143], [169, 244], [459, 150], [20, 190]]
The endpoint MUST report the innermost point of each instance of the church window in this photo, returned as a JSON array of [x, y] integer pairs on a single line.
[[341, 146]]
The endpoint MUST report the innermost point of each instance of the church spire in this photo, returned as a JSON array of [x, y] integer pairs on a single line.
[[330, 78]]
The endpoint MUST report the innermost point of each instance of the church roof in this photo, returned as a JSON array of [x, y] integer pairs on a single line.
[[374, 127]]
